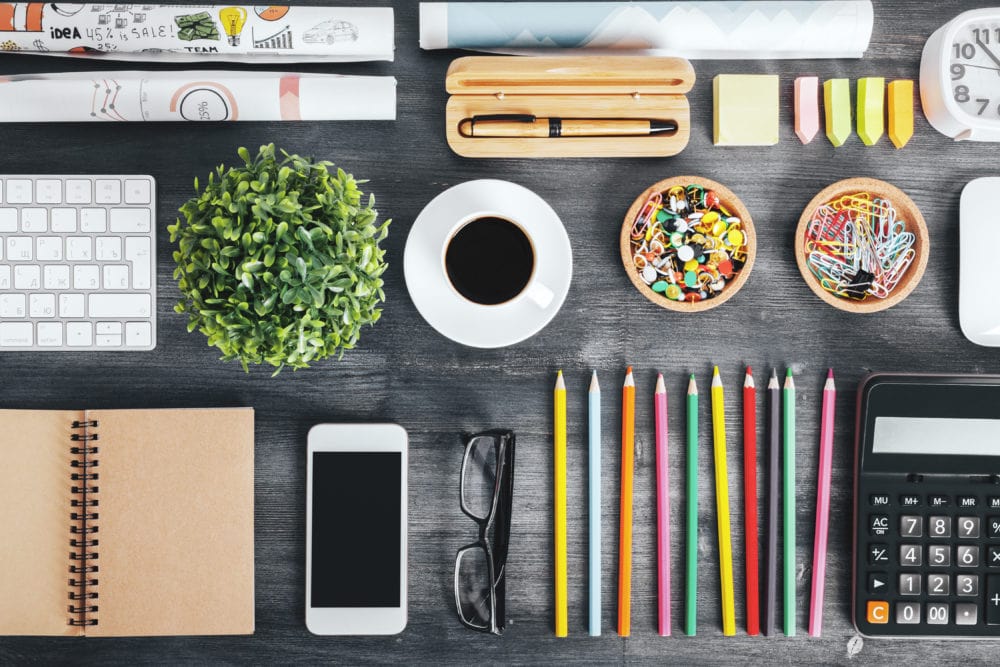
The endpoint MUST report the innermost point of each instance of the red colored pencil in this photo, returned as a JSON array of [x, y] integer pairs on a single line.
[[750, 500]]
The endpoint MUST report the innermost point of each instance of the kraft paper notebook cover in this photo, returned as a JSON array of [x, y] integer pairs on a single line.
[[126, 522]]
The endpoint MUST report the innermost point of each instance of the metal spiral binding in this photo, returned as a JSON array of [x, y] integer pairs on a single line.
[[83, 517]]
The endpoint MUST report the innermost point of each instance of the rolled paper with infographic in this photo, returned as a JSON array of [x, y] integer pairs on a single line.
[[695, 30], [195, 95], [183, 33]]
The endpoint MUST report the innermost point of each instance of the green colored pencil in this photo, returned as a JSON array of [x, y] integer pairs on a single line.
[[691, 602], [789, 498]]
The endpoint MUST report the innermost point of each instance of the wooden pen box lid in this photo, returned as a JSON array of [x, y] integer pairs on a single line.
[[567, 75]]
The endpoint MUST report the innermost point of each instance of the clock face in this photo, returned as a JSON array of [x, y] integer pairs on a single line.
[[974, 63]]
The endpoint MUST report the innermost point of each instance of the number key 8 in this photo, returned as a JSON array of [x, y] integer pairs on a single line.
[[940, 526]]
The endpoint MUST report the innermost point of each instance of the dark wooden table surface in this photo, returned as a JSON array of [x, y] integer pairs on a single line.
[[406, 372]]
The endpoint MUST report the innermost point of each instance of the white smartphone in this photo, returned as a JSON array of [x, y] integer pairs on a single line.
[[356, 529]]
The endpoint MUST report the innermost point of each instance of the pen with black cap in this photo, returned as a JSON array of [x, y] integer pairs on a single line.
[[528, 126]]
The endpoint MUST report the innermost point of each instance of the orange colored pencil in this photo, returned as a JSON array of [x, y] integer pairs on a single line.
[[625, 520]]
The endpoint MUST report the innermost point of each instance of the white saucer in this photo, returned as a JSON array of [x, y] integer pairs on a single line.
[[452, 315]]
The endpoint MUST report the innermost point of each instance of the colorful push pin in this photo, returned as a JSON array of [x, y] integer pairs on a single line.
[[806, 108], [871, 109], [900, 112], [837, 104]]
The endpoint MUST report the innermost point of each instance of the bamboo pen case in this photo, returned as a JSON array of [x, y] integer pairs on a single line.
[[571, 106]]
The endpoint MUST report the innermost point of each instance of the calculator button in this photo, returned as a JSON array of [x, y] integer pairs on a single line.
[[967, 556], [878, 553], [909, 584], [994, 522], [994, 503], [938, 501], [877, 581], [993, 560], [907, 613], [878, 612], [911, 526], [939, 526], [966, 613], [909, 500], [967, 502], [967, 585], [910, 555], [938, 584], [939, 555], [968, 527], [880, 500], [937, 614], [878, 524], [992, 599]]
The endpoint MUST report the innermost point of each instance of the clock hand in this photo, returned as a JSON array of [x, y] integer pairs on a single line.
[[992, 69], [987, 50]]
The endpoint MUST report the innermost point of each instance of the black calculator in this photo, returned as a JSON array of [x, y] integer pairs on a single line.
[[927, 506]]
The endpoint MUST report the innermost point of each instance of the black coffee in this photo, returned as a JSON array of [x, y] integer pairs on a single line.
[[489, 260]]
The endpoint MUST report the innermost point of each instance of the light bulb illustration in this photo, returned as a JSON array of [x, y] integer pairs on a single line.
[[233, 19]]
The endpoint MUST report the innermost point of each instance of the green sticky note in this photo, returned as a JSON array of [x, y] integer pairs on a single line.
[[746, 109], [871, 109], [837, 104]]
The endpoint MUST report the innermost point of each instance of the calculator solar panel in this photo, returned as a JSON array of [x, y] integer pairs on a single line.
[[927, 507]]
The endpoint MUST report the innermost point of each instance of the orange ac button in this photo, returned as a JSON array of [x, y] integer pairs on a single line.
[[878, 611]]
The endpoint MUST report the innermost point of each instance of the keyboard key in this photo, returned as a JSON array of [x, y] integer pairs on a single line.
[[910, 555], [994, 522], [5, 277], [79, 334], [879, 500], [79, 249], [34, 220], [109, 328], [48, 191], [909, 500], [878, 524], [138, 334], [137, 251], [55, 276], [87, 277], [115, 277], [137, 191], [109, 248], [994, 502], [19, 248], [50, 334], [63, 220], [967, 556], [993, 599], [967, 585], [938, 501], [27, 277], [877, 612], [968, 527], [938, 584], [939, 555], [19, 191], [937, 614], [12, 305], [907, 613], [48, 248], [130, 220], [967, 502], [94, 220], [911, 526], [71, 305], [42, 305], [909, 584], [878, 553], [8, 219], [939, 526], [877, 582], [993, 559], [109, 340], [16, 334], [78, 191], [966, 613], [119, 305], [108, 191]]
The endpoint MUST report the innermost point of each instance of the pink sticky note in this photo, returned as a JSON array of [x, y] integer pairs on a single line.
[[806, 108]]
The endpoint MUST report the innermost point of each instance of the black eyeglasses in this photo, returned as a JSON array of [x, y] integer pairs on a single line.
[[486, 493]]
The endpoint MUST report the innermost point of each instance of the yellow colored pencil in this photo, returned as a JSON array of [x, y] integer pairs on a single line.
[[559, 429], [722, 506]]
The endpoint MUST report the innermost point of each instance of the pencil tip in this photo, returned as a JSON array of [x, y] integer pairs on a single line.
[[593, 382], [829, 374], [774, 373], [715, 370], [559, 374], [661, 388], [749, 370], [788, 372]]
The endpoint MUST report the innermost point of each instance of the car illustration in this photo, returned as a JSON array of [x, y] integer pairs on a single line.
[[330, 32]]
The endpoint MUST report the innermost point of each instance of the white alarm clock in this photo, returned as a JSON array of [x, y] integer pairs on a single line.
[[960, 77]]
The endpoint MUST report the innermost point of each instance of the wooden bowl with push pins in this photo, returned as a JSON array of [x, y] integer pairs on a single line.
[[862, 245], [688, 244]]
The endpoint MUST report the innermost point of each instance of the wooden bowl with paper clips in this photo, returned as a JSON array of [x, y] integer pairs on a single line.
[[722, 257], [862, 268]]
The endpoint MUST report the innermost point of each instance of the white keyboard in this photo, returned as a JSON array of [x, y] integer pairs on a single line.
[[77, 263]]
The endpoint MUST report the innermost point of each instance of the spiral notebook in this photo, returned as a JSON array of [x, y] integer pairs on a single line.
[[126, 522]]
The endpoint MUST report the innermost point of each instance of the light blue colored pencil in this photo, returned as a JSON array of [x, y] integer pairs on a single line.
[[594, 414]]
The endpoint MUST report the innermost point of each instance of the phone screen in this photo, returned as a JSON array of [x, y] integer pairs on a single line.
[[356, 527]]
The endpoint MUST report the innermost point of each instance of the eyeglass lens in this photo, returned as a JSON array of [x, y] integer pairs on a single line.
[[474, 589], [480, 476]]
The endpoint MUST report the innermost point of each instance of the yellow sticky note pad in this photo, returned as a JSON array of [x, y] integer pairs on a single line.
[[746, 110], [900, 112], [871, 109], [837, 105]]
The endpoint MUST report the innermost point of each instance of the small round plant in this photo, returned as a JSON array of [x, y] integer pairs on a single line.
[[278, 261]]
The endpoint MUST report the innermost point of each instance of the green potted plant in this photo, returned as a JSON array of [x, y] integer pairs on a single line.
[[278, 261]]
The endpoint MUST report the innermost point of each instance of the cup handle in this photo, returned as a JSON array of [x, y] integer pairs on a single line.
[[540, 295]]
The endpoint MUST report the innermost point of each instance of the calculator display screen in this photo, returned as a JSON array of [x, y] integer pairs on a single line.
[[936, 435]]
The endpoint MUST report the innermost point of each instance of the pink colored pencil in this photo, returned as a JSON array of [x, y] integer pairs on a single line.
[[822, 507], [662, 507]]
